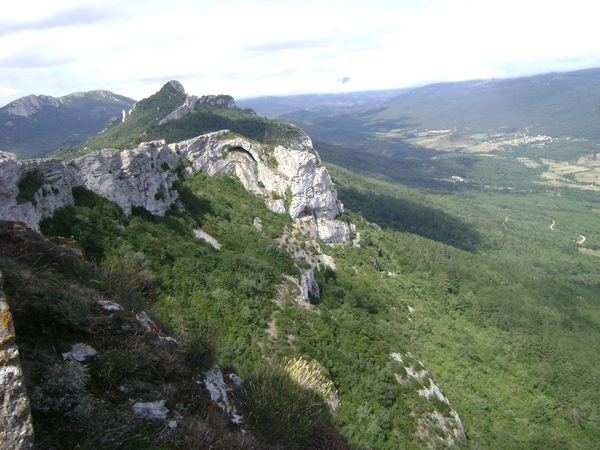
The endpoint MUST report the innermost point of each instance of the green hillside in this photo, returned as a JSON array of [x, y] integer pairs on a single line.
[[478, 265], [556, 104], [501, 309]]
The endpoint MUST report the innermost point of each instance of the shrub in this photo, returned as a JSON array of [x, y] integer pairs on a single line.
[[130, 279], [63, 392], [311, 376], [29, 185], [67, 310], [278, 409]]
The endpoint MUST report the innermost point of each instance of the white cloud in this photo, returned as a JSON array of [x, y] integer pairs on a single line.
[[251, 47]]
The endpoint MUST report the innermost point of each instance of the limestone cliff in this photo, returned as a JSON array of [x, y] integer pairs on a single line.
[[140, 177], [16, 430], [21, 200], [290, 179]]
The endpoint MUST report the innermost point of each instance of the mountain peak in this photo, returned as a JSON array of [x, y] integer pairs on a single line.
[[26, 106], [177, 86]]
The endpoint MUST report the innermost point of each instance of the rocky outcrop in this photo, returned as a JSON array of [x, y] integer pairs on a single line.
[[222, 101], [274, 175], [20, 200], [288, 178], [142, 177], [16, 430], [433, 426], [188, 105]]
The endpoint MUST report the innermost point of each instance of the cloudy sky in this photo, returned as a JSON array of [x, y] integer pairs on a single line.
[[248, 48]]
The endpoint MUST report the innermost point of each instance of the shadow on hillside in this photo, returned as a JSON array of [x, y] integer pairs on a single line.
[[404, 215], [193, 204], [400, 162]]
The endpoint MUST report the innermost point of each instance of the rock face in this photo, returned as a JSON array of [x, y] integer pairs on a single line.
[[53, 193], [223, 101], [144, 177], [16, 430], [284, 172], [139, 177]]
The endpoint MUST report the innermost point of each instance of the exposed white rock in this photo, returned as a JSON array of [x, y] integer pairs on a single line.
[[191, 100], [178, 113], [16, 430], [218, 385], [151, 410], [275, 205], [177, 86], [396, 357], [329, 262], [142, 177], [433, 391], [225, 101], [207, 238], [297, 171], [31, 104], [54, 193], [150, 327], [447, 428], [110, 306], [79, 352], [308, 257]]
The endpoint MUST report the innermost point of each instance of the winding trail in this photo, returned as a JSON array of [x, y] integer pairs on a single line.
[[581, 236]]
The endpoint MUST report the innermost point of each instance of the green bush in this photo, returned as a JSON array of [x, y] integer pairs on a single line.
[[67, 310], [29, 185], [63, 392], [278, 409]]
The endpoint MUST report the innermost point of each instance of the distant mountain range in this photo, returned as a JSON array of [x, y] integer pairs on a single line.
[[274, 106], [33, 126], [556, 104]]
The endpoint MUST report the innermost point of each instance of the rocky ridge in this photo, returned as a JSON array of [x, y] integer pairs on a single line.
[[222, 101], [144, 177], [31, 104]]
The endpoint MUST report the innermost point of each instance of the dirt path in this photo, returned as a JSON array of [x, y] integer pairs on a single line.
[[581, 239], [552, 226]]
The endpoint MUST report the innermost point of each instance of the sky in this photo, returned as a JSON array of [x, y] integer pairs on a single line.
[[249, 48]]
